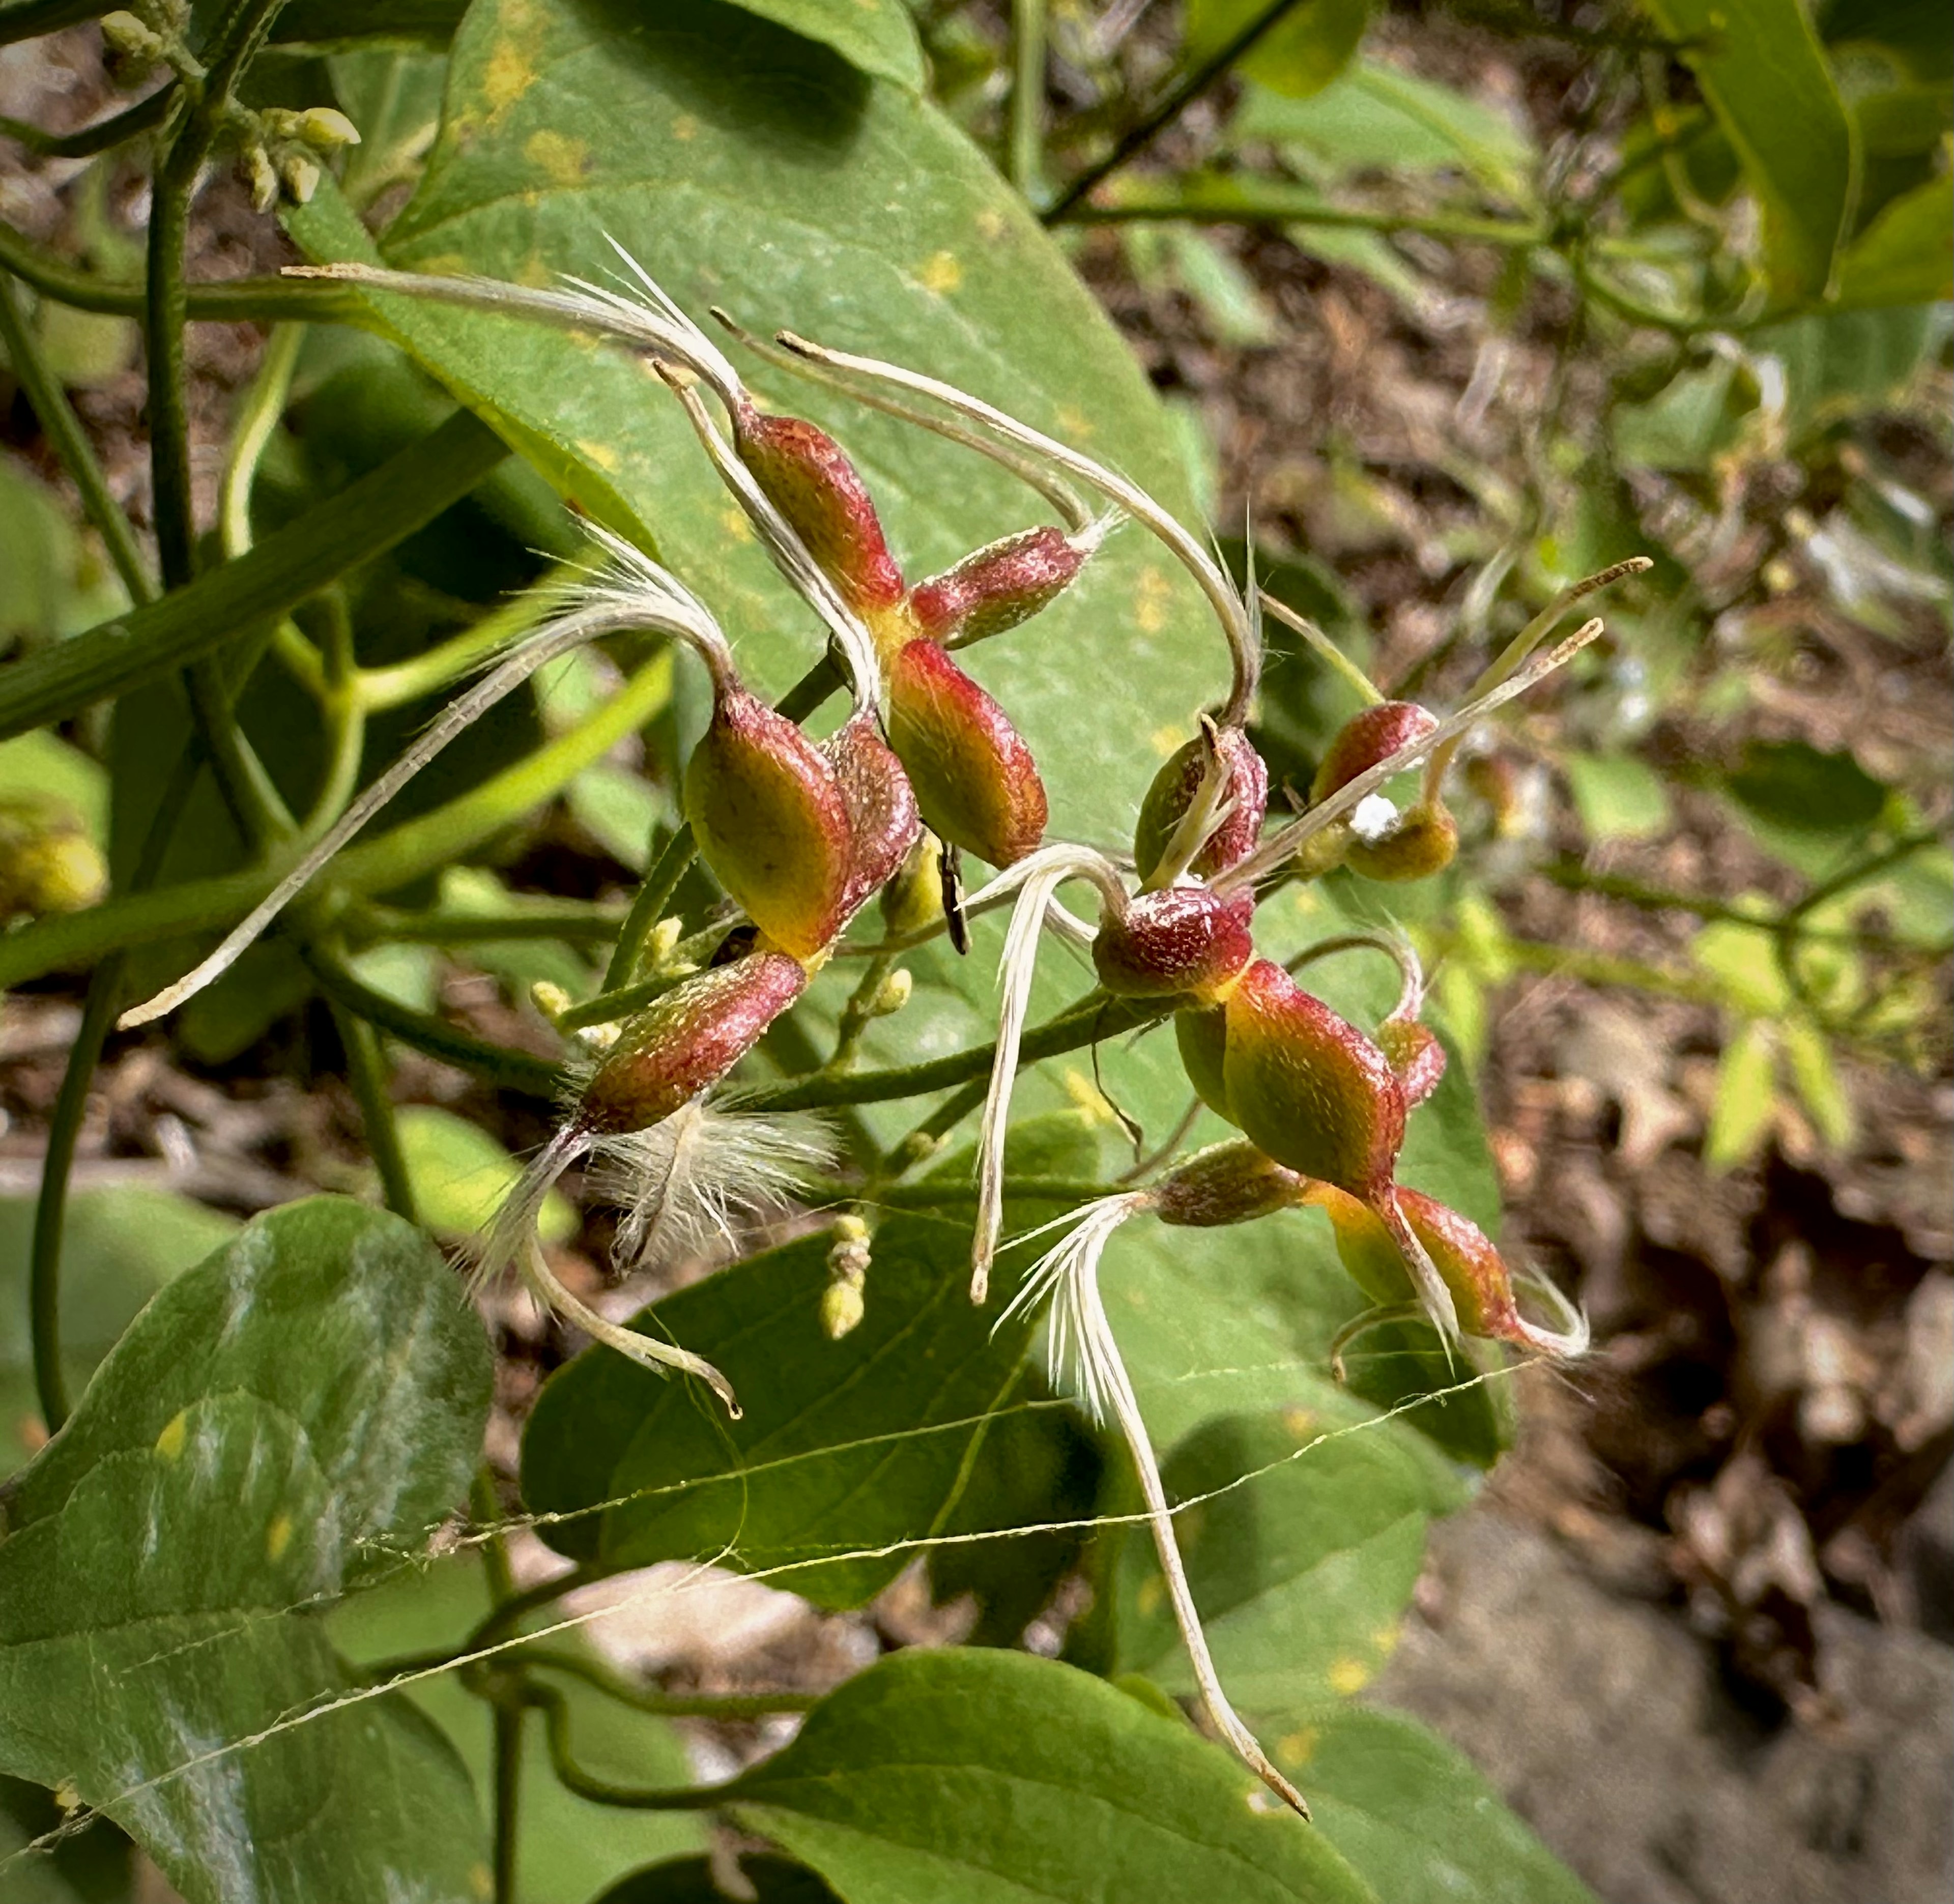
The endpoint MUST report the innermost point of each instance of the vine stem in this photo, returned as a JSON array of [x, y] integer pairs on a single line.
[[366, 1072], [648, 907], [1025, 151]]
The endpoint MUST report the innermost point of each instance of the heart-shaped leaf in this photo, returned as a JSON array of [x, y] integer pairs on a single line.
[[964, 1777], [277, 1423]]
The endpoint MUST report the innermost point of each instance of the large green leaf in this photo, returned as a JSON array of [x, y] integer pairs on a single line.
[[746, 171], [1906, 256], [876, 36], [1761, 68], [970, 1777], [288, 1416], [1298, 56], [1302, 1553], [845, 1447], [1414, 1818]]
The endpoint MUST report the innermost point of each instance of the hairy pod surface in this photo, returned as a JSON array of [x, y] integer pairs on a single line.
[[1423, 842], [772, 822], [1416, 1056], [1172, 792], [998, 587], [1228, 1183], [974, 779], [1365, 739], [884, 823], [687, 1042], [1182, 939], [1300, 1082], [807, 476]]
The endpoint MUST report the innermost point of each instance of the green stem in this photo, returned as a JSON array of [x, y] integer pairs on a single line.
[[237, 301], [574, 1778], [822, 1191], [366, 1072], [1229, 201], [1177, 101], [144, 116], [509, 1714], [734, 1706], [371, 515], [513, 1070], [647, 908], [97, 1015], [63, 431], [856, 1015], [1025, 150]]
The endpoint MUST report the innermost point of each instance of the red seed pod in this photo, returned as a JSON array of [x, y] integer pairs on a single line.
[[1174, 790], [1228, 1183], [1366, 739], [687, 1041], [997, 587], [974, 777], [1300, 1082], [1416, 1054], [808, 477], [882, 817], [772, 822], [1181, 939], [1423, 842]]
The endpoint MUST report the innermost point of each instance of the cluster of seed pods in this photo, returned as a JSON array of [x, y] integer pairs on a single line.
[[801, 833]]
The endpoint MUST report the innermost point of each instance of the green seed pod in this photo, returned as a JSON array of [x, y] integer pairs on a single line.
[[1422, 843], [1182, 939], [974, 777], [1302, 1083], [1172, 792], [687, 1042], [808, 477], [772, 822], [1228, 1183], [912, 901], [999, 586]]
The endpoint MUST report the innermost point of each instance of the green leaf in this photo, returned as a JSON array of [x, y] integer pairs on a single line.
[[859, 1444], [1746, 1099], [793, 191], [877, 37], [461, 1175], [1906, 256], [967, 1777], [1820, 1089], [567, 1847], [1762, 70], [119, 1246], [1301, 1552], [1841, 364], [41, 771], [278, 1422], [1813, 809], [54, 585], [1697, 418], [1618, 797], [1300, 56], [690, 1881], [1414, 1818]]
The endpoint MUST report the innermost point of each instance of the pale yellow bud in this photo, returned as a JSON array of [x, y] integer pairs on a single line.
[[301, 175], [264, 176], [325, 130], [842, 1309], [550, 999], [123, 33], [892, 994]]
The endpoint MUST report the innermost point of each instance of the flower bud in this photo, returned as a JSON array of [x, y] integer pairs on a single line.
[[687, 1041], [771, 820], [1416, 1056], [325, 130], [1182, 939], [1226, 1183], [912, 901], [299, 174], [844, 1302], [1366, 739], [124, 34], [807, 476], [1302, 1084], [892, 994], [1423, 842], [999, 586], [974, 777], [883, 821], [264, 176], [1173, 791], [47, 864]]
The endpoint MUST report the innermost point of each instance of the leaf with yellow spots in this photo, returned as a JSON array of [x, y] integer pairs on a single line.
[[299, 1411], [1297, 1554]]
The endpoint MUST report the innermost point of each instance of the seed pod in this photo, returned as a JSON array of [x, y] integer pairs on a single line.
[[1174, 790], [1422, 843], [974, 777], [772, 822], [1228, 1183], [1367, 738], [687, 1042], [883, 821], [809, 478], [997, 587], [1181, 939], [1300, 1082], [1416, 1056]]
